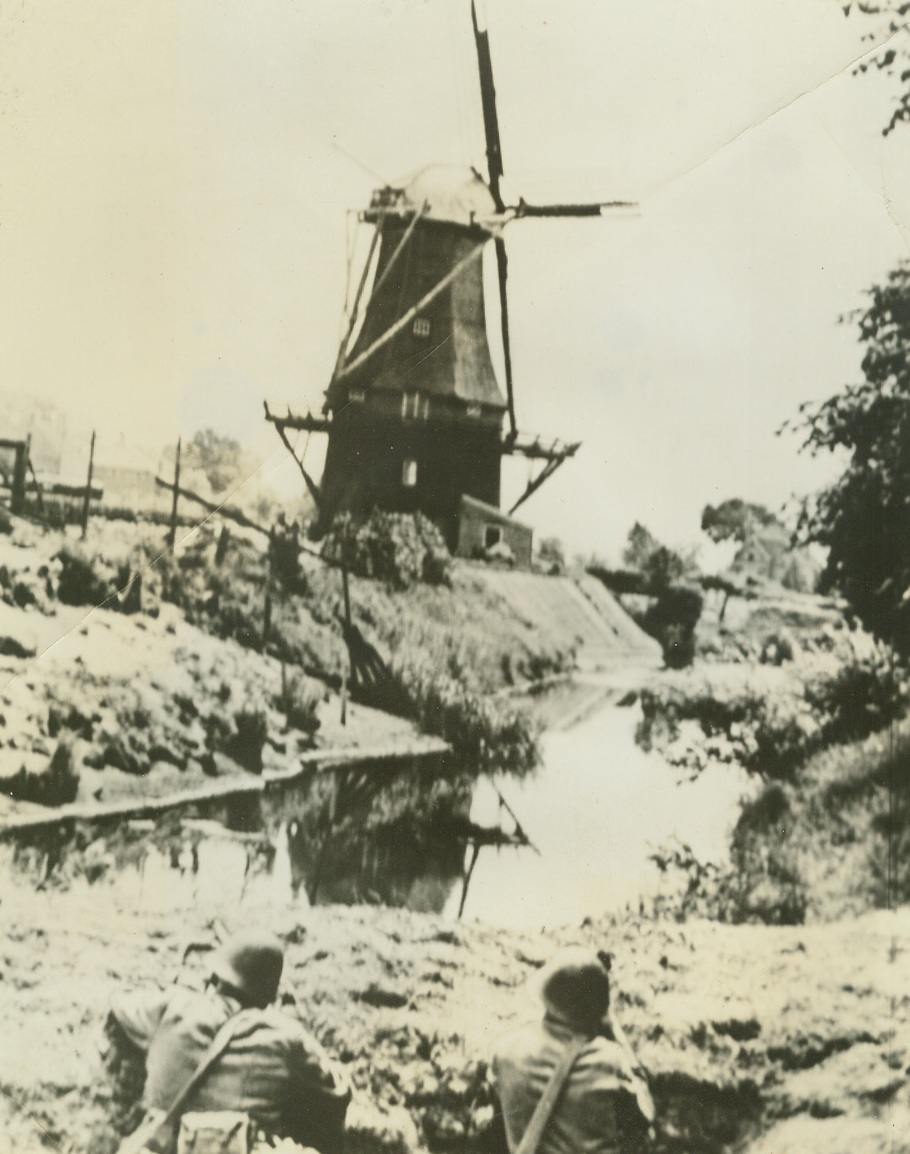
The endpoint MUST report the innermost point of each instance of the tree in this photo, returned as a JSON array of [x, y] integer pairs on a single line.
[[736, 520], [640, 545], [217, 456], [659, 565], [893, 54], [766, 550], [864, 517]]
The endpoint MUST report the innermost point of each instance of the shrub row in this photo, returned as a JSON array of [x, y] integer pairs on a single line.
[[487, 734], [767, 731], [398, 548]]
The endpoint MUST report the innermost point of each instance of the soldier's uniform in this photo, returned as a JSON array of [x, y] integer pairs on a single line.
[[272, 1068], [604, 1106]]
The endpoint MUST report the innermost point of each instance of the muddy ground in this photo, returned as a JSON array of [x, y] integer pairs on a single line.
[[757, 1038]]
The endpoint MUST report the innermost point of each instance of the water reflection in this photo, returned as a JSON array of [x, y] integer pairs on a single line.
[[595, 811]]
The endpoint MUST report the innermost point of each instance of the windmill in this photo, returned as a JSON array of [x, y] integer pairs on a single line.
[[415, 416]]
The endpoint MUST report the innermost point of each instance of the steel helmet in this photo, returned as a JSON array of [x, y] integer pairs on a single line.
[[575, 986], [251, 961]]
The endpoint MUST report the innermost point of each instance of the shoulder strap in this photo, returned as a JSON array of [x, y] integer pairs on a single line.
[[543, 1111], [139, 1139]]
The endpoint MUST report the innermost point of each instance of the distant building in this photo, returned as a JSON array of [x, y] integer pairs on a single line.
[[484, 530], [130, 488]]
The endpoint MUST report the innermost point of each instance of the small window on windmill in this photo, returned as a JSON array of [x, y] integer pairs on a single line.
[[410, 406], [409, 473], [492, 535], [421, 328], [474, 410], [357, 396]]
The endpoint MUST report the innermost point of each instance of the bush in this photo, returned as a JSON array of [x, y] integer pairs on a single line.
[[57, 785], [487, 734], [299, 701], [84, 579], [777, 649], [755, 888], [763, 734], [863, 696], [246, 745], [767, 730], [551, 556], [671, 619], [398, 548]]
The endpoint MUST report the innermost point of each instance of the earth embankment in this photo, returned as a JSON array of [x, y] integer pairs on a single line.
[[128, 671], [758, 1039]]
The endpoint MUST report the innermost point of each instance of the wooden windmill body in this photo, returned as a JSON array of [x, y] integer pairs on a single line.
[[415, 416]]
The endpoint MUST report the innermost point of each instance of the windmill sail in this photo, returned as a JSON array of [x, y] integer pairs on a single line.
[[502, 268], [488, 102]]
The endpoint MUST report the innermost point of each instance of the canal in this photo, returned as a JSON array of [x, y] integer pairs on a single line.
[[596, 810]]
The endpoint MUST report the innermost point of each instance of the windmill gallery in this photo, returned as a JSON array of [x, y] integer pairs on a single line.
[[415, 417]]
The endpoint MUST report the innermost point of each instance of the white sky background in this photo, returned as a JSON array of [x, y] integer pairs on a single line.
[[173, 220]]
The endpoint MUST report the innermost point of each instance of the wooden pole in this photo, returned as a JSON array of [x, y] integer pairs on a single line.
[[87, 500], [310, 483], [39, 499], [347, 596], [519, 831], [347, 621], [267, 609], [475, 854], [172, 533], [210, 507]]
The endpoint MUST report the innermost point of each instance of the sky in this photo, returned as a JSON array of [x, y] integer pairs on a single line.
[[179, 181]]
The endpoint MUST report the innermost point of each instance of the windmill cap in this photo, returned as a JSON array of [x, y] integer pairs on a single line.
[[575, 987], [450, 192], [251, 961]]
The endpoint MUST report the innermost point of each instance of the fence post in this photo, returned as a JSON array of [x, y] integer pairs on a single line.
[[172, 532], [346, 676], [87, 499], [17, 493], [39, 500], [267, 608]]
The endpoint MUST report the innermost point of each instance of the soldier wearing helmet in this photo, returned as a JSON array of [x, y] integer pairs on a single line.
[[270, 1068], [570, 1083]]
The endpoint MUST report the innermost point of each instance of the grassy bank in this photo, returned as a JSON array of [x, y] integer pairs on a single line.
[[160, 669], [814, 710]]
